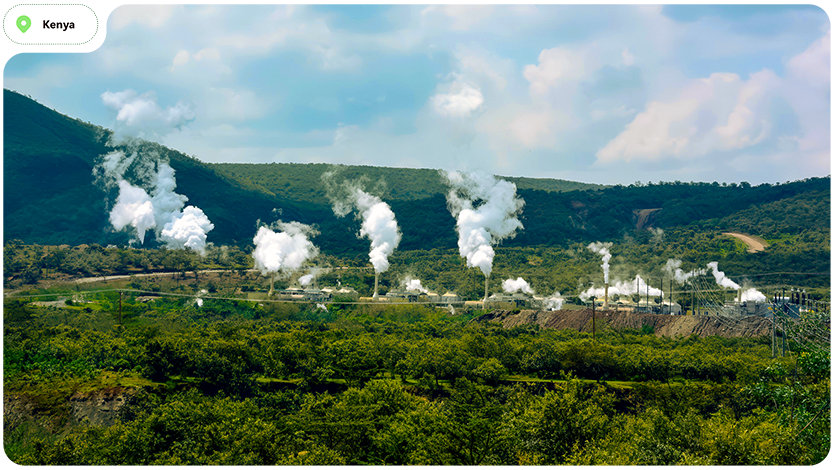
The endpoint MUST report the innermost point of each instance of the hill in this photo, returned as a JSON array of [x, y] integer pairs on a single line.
[[50, 197], [302, 181]]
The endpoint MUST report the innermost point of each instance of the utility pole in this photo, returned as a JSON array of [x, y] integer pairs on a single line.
[[784, 334], [661, 294], [594, 318], [773, 335]]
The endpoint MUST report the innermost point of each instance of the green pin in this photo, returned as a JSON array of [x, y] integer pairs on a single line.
[[23, 23]]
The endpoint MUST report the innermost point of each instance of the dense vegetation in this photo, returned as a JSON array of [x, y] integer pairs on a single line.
[[238, 383]]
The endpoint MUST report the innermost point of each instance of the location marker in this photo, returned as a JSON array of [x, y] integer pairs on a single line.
[[23, 23]]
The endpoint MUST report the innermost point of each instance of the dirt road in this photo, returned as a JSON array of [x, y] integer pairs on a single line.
[[754, 244]]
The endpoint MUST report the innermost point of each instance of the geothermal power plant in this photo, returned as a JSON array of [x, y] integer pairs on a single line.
[[141, 189]]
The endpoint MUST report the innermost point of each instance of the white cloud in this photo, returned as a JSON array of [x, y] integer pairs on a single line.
[[461, 100], [556, 66], [724, 113]]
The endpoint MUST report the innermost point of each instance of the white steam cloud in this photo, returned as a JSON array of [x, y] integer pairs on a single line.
[[747, 295], [601, 248], [378, 222], [516, 285], [133, 208], [311, 275], [752, 295], [175, 226], [554, 302], [284, 251], [155, 206], [140, 117], [414, 285], [188, 229], [486, 210], [637, 286], [673, 269], [720, 278]]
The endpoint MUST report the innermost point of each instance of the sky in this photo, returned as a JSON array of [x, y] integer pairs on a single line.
[[603, 94]]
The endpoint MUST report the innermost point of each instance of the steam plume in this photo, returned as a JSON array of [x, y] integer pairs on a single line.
[[188, 229], [554, 302], [601, 248], [133, 208], [747, 295], [673, 269], [311, 275], [515, 285], [486, 210], [637, 286], [284, 251], [414, 285], [720, 278], [140, 117], [378, 222], [752, 295]]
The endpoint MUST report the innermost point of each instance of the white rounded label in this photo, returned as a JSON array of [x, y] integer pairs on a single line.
[[44, 24]]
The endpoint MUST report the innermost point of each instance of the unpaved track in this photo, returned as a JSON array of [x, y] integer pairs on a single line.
[[85, 280], [754, 244]]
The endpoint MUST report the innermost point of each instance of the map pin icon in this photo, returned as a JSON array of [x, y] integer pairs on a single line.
[[23, 23]]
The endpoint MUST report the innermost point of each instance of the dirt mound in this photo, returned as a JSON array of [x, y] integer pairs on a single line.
[[100, 407], [644, 218], [662, 325]]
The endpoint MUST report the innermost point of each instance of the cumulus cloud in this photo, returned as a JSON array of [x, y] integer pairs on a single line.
[[555, 66], [725, 113], [462, 100]]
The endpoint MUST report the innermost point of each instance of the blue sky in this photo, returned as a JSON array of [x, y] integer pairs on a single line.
[[609, 94]]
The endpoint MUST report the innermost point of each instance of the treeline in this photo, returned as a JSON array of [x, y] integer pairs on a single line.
[[240, 384]]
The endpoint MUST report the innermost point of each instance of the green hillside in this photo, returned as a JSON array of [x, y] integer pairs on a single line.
[[50, 197], [302, 181]]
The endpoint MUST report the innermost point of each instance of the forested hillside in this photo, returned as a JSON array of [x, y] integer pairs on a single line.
[[302, 181], [50, 197]]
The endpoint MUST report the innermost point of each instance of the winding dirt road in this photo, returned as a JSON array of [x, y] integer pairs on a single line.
[[754, 244]]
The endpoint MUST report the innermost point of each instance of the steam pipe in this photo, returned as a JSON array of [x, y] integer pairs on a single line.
[[376, 285]]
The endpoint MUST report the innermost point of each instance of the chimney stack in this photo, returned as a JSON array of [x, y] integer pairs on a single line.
[[605, 302], [486, 288]]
